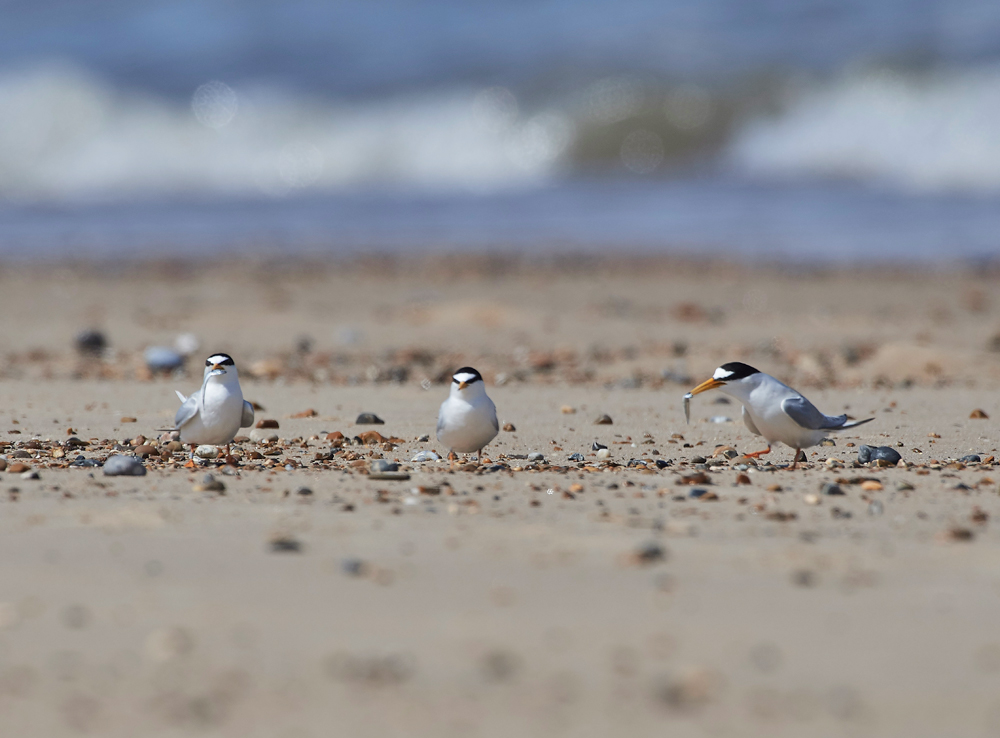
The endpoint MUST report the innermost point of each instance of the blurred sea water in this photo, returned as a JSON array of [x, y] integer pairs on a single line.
[[812, 131]]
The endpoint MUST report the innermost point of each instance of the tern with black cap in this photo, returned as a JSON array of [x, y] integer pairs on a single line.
[[774, 410], [467, 420], [216, 412]]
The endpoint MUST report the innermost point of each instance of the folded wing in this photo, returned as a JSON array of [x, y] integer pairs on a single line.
[[806, 415], [247, 420]]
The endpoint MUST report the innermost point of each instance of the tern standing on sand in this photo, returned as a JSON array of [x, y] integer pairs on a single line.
[[215, 413], [467, 420], [773, 409]]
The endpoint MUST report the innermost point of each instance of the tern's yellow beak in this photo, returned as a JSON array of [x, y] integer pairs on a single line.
[[706, 386], [463, 385], [216, 366]]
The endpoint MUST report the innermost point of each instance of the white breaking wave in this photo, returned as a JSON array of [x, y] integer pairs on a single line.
[[66, 135], [930, 133]]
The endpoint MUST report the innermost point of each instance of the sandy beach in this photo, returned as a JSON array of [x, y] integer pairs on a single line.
[[520, 597]]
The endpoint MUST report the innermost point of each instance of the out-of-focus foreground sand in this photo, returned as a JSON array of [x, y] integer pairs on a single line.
[[509, 603]]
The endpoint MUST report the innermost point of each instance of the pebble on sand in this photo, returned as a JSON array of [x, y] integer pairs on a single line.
[[207, 451], [509, 427], [266, 423], [90, 342], [604, 419], [425, 456], [210, 484], [310, 413], [867, 454], [979, 415], [123, 466], [257, 435], [369, 419], [162, 359]]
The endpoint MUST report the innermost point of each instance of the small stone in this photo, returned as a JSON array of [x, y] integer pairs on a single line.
[[871, 486], [354, 567], [304, 492], [604, 420], [904, 486], [979, 414], [90, 342], [508, 428], [697, 492], [266, 423], [603, 453], [285, 544], [827, 442], [812, 498], [867, 454], [145, 450], [567, 410], [743, 461], [258, 435], [727, 452], [425, 456], [162, 360], [18, 467], [698, 460], [310, 413], [649, 553], [663, 463], [536, 456], [597, 446], [74, 442], [372, 438], [957, 534], [742, 479], [971, 459], [127, 419], [425, 438], [369, 419], [174, 446], [576, 457], [829, 488], [210, 484], [3, 465], [207, 451], [381, 465], [123, 466], [31, 474]]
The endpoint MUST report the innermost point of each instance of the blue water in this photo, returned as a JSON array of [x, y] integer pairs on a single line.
[[810, 131]]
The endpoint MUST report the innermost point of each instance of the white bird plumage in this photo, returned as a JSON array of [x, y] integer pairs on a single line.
[[467, 420], [215, 413], [774, 410]]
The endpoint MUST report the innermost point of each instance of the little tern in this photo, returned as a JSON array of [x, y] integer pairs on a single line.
[[216, 412], [467, 420], [774, 410]]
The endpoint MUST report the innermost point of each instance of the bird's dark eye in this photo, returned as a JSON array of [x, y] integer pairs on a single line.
[[208, 362]]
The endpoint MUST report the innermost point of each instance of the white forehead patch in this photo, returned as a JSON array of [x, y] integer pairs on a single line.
[[464, 377], [721, 374]]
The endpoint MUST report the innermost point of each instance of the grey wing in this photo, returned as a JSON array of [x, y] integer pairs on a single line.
[[805, 414], [749, 423], [247, 420], [440, 425], [186, 411], [496, 423]]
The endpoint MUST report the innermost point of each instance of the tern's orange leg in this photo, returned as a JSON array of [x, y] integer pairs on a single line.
[[758, 454]]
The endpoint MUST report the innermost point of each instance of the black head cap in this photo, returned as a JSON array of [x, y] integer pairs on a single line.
[[223, 359], [469, 371], [734, 370]]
